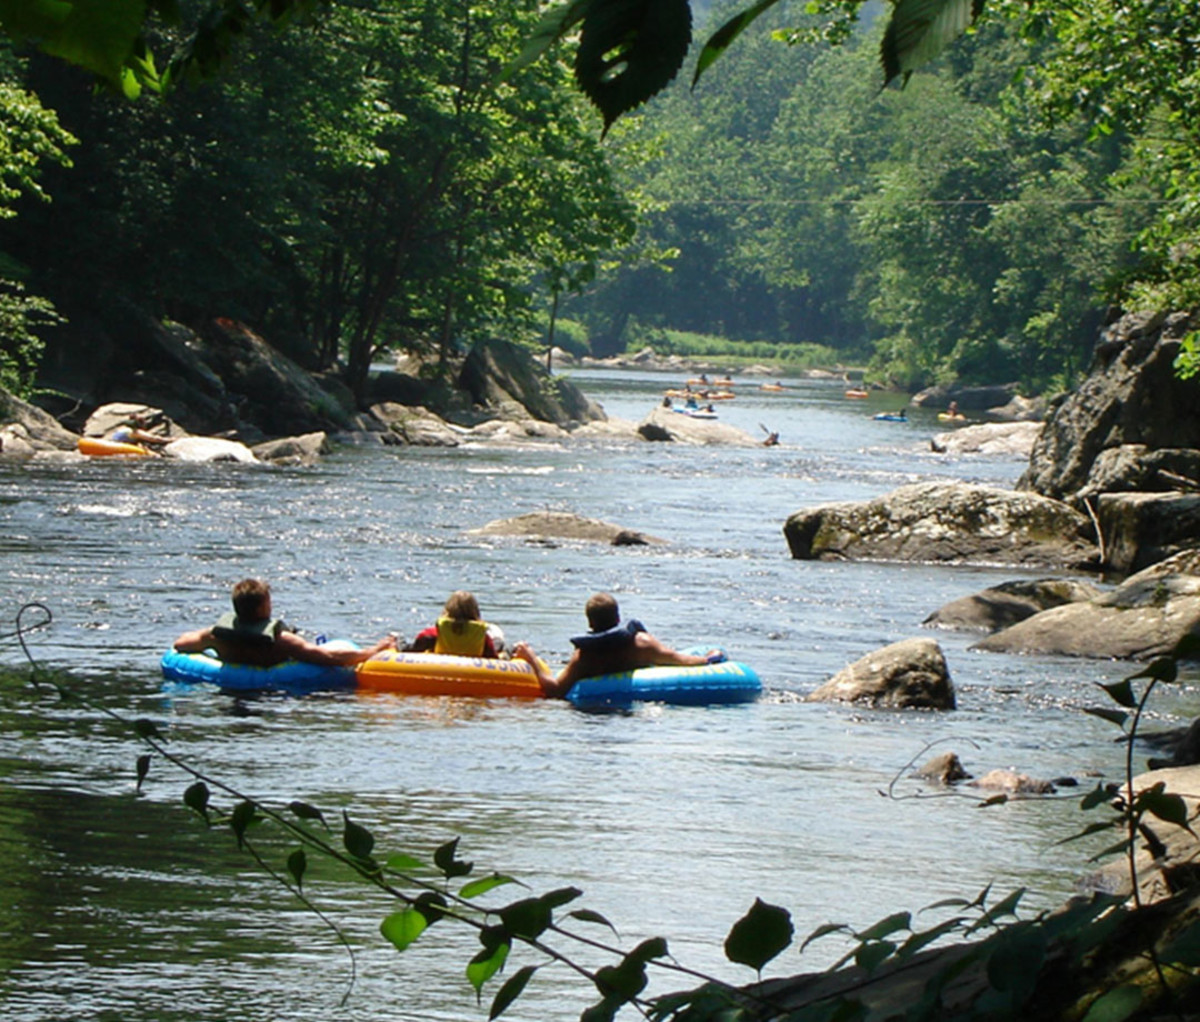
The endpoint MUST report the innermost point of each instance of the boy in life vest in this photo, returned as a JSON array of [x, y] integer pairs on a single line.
[[250, 635], [608, 648]]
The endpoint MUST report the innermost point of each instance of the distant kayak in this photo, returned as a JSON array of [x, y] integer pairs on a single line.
[[857, 393], [890, 417]]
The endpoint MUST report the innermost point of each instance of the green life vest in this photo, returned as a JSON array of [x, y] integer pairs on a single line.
[[252, 633], [460, 638]]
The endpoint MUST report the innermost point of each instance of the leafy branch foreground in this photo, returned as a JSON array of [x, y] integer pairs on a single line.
[[1099, 959]]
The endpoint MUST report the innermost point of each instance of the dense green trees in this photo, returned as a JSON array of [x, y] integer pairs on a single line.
[[949, 230], [30, 136], [364, 183]]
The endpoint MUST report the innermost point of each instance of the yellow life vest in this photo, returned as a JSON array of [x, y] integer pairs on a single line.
[[460, 638]]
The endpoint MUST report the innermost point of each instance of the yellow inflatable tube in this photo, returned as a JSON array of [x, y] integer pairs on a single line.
[[436, 674], [98, 447]]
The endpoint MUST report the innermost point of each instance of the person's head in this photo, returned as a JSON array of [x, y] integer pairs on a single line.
[[602, 612], [252, 600], [462, 606]]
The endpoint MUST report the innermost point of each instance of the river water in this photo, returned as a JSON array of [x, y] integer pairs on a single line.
[[672, 820]]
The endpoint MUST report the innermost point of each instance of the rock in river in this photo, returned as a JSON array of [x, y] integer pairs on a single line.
[[907, 674], [564, 525], [957, 523]]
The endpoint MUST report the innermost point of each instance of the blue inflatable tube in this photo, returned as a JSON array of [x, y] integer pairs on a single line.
[[291, 676], [707, 685]]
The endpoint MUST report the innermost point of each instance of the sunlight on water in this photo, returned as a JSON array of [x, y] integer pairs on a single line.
[[672, 819]]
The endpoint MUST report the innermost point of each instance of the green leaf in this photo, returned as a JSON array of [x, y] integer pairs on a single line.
[[555, 24], [146, 729], [919, 940], [561, 896], [1161, 668], [403, 927], [920, 30], [629, 50], [628, 978], [511, 990], [143, 768], [483, 885], [1117, 717], [1093, 828], [870, 956], [994, 800], [98, 35], [1101, 795], [723, 37], [303, 811], [196, 797], [486, 964], [760, 935], [445, 860], [1170, 808], [1121, 692], [825, 930], [886, 927], [241, 818], [431, 905], [1120, 848], [1115, 1006], [402, 862], [297, 863], [358, 840], [586, 915]]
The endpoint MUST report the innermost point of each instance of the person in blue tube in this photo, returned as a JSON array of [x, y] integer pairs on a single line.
[[250, 635], [608, 648]]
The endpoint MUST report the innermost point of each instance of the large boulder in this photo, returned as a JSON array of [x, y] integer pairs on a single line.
[[39, 429], [1132, 396], [273, 393], [1141, 529], [1146, 616], [502, 375], [907, 674], [956, 523], [416, 426], [968, 397], [668, 425], [995, 439], [209, 448], [1004, 605]]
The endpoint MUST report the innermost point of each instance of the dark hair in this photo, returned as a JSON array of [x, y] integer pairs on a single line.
[[602, 612], [250, 598]]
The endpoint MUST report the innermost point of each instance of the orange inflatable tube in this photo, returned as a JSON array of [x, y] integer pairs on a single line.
[[435, 674]]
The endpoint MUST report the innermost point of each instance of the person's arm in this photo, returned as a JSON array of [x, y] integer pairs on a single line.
[[653, 652], [552, 687], [301, 649], [194, 642]]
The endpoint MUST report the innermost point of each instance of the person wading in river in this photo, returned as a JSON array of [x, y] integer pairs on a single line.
[[251, 636], [607, 648]]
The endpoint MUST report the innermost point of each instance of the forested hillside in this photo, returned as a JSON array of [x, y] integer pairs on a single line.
[[951, 229], [369, 179]]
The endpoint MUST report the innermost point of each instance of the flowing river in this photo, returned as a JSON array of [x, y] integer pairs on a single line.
[[115, 905]]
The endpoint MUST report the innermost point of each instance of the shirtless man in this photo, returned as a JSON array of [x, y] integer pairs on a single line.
[[251, 636], [609, 647]]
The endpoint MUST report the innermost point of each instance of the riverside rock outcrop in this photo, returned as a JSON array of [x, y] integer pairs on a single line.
[[1004, 605], [955, 523], [991, 438], [1144, 617], [1131, 398], [503, 375], [910, 674]]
